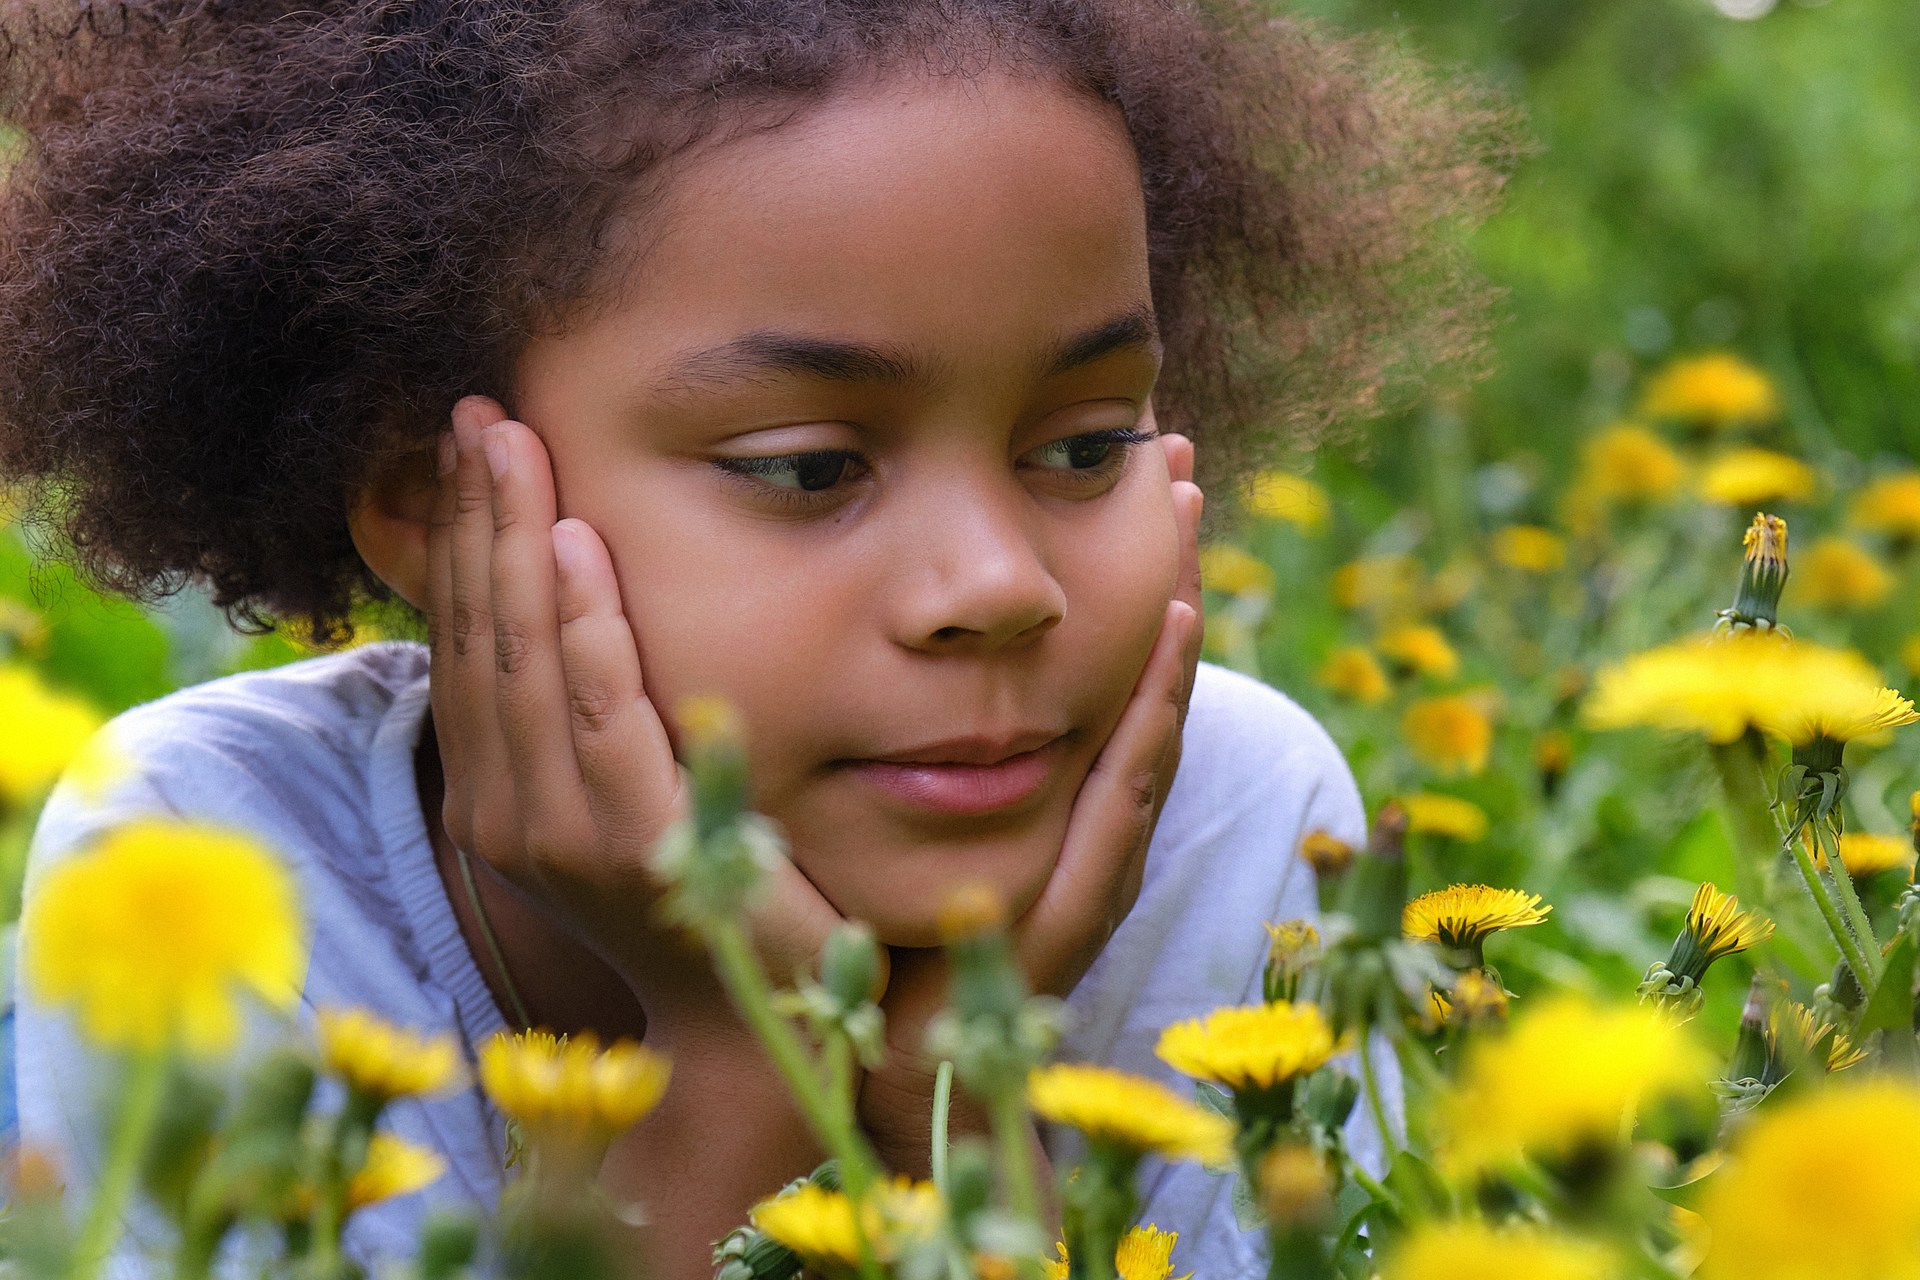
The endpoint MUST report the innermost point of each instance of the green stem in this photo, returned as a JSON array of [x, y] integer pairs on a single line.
[[1009, 1114], [145, 1086], [942, 1103], [1370, 1084], [1748, 810], [1850, 903], [1842, 935]]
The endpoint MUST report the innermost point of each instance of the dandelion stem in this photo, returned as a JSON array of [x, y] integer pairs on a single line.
[[145, 1087], [1842, 935], [1370, 1084], [942, 1104], [1009, 1115], [1850, 903]]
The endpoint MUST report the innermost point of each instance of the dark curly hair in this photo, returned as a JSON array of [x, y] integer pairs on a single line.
[[250, 249]]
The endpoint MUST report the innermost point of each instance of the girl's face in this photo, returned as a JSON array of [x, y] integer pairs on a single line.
[[868, 435]]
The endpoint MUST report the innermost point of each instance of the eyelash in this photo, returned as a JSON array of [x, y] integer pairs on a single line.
[[746, 469]]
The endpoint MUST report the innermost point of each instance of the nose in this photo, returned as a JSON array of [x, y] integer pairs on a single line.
[[975, 578]]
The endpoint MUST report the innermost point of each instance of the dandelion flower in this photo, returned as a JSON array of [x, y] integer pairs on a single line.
[[1294, 500], [1715, 392], [1351, 672], [1529, 548], [1717, 927], [1628, 463], [1835, 573], [1463, 916], [153, 932], [1465, 1249], [1890, 505], [1821, 1187], [383, 1060], [818, 1224], [1421, 648], [1451, 734], [1326, 853], [1232, 571], [1129, 1111], [1250, 1047], [568, 1089], [1431, 813], [1144, 1253], [394, 1168], [1867, 853], [1375, 582], [45, 730], [1475, 999], [1755, 477], [1810, 1032], [1570, 1075]]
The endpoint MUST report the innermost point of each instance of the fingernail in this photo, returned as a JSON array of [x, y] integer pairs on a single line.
[[494, 441], [449, 452]]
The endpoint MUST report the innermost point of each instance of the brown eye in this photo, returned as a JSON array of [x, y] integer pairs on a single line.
[[804, 472]]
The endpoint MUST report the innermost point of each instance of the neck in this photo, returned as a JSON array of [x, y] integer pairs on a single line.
[[565, 986]]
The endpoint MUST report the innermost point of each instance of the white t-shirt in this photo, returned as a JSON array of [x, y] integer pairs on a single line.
[[316, 759]]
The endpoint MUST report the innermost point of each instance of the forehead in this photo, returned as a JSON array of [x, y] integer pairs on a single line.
[[944, 213]]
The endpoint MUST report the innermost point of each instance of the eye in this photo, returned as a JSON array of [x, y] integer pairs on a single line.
[[800, 480], [1093, 455]]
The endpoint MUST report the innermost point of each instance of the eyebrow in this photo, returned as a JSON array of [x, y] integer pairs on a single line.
[[771, 353]]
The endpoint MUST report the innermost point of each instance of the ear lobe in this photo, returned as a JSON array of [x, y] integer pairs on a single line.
[[388, 523]]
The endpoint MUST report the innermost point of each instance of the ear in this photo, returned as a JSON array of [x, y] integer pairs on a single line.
[[388, 522]]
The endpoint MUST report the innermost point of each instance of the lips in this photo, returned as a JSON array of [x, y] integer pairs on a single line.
[[974, 751], [965, 777]]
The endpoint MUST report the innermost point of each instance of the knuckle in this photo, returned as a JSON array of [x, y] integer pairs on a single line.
[[470, 497], [512, 647], [1142, 788], [593, 705], [466, 627]]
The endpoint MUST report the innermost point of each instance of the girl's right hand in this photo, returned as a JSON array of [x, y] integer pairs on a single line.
[[560, 773]]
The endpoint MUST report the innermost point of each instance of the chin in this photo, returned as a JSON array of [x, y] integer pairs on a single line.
[[900, 896]]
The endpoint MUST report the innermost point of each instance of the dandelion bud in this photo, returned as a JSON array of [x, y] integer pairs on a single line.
[[1377, 890], [1477, 1000], [1763, 574], [1329, 855], [1913, 804], [850, 965], [1715, 927], [1295, 1190], [972, 909], [1552, 753]]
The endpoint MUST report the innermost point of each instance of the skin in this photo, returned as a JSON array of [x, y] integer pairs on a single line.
[[976, 565]]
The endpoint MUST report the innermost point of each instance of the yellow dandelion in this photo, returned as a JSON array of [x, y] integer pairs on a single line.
[[394, 1168], [1465, 915], [1810, 1032], [1718, 927], [1352, 672], [1552, 752], [1714, 391], [1130, 1112], [153, 932], [1378, 583], [1466, 1249], [1755, 477], [1628, 463], [1451, 734], [1835, 573], [1421, 648], [1294, 500], [1296, 1190], [1529, 548], [1249, 1047], [568, 1089], [1326, 853], [1144, 1253], [1450, 584], [1910, 654], [1868, 853], [1431, 813], [381, 1059], [1840, 711], [1233, 571], [1820, 1187], [1569, 1076], [1293, 945], [1890, 505], [45, 730], [818, 1224], [1476, 999]]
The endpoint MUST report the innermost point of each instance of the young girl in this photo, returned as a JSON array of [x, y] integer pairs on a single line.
[[823, 355]]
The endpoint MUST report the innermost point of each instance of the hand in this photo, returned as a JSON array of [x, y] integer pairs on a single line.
[[560, 772]]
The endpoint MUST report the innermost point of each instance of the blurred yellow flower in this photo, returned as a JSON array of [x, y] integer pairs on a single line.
[[1421, 648], [1910, 654], [1452, 734], [1465, 915], [1628, 463], [1715, 391], [1293, 946], [1820, 1186], [1476, 999], [1552, 752], [1144, 1253], [1249, 1047], [1376, 582], [1567, 1077], [1755, 477], [568, 1089], [1866, 853], [818, 1224], [394, 1167], [1233, 571], [1129, 1111], [1278, 495], [1466, 1249], [45, 730], [1890, 505], [1432, 813], [1529, 548], [1835, 573], [1809, 1031], [1326, 853], [1352, 672], [383, 1060], [153, 932]]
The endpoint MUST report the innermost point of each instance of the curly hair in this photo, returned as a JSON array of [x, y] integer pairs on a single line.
[[249, 249]]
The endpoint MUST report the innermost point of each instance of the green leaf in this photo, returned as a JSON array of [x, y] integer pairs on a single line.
[[1890, 1008]]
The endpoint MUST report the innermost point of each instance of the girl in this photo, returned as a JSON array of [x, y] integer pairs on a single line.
[[824, 355]]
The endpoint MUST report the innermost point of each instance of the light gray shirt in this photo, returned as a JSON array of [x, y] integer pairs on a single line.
[[316, 759]]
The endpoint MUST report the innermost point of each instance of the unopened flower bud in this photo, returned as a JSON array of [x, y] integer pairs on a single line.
[[1295, 1189], [1327, 854], [970, 910], [850, 965], [1763, 574]]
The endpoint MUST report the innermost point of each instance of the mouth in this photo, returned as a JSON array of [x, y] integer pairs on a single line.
[[965, 778]]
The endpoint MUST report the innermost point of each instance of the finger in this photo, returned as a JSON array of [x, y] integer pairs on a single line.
[[1188, 503], [633, 784], [1112, 821], [530, 690], [1179, 453]]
